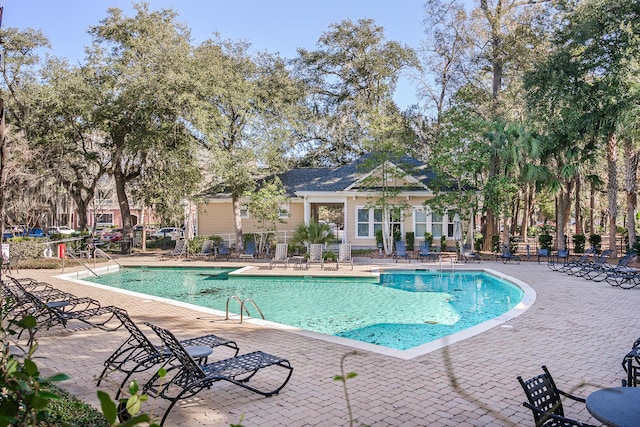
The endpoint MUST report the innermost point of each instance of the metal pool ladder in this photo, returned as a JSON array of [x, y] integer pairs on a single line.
[[243, 307]]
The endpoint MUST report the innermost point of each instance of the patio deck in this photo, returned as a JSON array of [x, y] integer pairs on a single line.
[[579, 329]]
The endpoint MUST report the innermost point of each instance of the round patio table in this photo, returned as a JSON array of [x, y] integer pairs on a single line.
[[615, 407]]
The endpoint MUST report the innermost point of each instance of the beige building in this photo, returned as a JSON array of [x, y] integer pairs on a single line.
[[352, 189]]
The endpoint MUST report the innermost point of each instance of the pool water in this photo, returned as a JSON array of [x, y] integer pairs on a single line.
[[398, 310]]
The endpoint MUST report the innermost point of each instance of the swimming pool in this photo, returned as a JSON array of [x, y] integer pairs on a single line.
[[399, 309]]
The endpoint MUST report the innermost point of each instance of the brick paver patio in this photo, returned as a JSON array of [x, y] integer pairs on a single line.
[[579, 329]]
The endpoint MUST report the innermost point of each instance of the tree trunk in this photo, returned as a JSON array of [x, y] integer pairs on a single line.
[[82, 206], [592, 208], [631, 188], [612, 187], [123, 200], [237, 220], [577, 214]]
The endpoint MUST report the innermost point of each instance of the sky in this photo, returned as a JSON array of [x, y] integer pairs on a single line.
[[278, 26]]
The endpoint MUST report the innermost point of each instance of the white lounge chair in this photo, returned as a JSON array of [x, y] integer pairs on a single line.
[[180, 249], [315, 255], [344, 255], [280, 256]]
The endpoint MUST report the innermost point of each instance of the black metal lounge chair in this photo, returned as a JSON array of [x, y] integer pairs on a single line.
[[625, 279], [467, 254], [543, 398], [506, 255], [138, 354], [584, 259], [424, 252], [559, 260], [598, 273], [544, 253], [193, 377], [401, 251], [598, 261], [52, 313]]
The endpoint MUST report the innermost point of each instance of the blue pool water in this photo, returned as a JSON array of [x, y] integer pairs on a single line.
[[399, 310]]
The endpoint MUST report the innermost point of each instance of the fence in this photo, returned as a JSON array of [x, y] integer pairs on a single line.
[[530, 248]]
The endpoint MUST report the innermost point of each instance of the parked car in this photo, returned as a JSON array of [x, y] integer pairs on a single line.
[[172, 232], [62, 229], [112, 235], [37, 232]]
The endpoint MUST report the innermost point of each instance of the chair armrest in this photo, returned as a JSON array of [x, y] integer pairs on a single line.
[[571, 396], [548, 416]]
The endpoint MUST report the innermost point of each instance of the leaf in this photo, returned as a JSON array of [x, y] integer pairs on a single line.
[[134, 421], [29, 322], [351, 375], [133, 404], [57, 377], [108, 407], [133, 387]]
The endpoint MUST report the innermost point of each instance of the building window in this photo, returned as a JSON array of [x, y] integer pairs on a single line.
[[363, 222], [436, 225], [283, 211], [104, 219], [244, 211], [369, 220], [420, 223]]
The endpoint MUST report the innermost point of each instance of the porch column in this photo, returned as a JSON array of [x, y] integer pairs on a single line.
[[345, 216], [307, 211]]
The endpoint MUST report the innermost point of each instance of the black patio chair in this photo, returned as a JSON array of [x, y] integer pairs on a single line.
[[599, 272], [543, 398], [559, 260], [468, 254], [625, 279], [193, 377], [507, 256], [138, 354], [424, 252], [596, 264], [401, 251], [584, 259], [52, 313]]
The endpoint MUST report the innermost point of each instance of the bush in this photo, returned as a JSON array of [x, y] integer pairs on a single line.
[[595, 240], [329, 256], [410, 237], [397, 236], [428, 237], [495, 243], [545, 240], [379, 239], [513, 244], [478, 242], [579, 241], [443, 244]]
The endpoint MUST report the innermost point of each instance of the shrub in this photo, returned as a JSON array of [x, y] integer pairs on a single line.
[[579, 241], [495, 243], [410, 237], [329, 256], [443, 244], [379, 239], [595, 240], [428, 237], [479, 241], [513, 244], [397, 236], [545, 240]]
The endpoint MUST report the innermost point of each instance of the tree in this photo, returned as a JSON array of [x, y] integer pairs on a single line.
[[265, 207], [351, 76], [247, 108], [138, 69]]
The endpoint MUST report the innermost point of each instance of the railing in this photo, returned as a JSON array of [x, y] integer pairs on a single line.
[[243, 307], [72, 256]]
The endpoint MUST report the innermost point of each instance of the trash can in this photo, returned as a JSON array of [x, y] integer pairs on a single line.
[[125, 246]]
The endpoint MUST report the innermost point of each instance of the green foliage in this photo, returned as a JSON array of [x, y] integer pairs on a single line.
[[329, 256], [410, 237], [545, 241], [495, 243], [595, 240], [513, 244], [443, 243], [579, 241], [397, 235], [428, 237], [68, 410], [478, 242], [313, 233], [379, 238]]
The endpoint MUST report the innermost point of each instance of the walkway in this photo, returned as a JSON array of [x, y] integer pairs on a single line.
[[579, 329]]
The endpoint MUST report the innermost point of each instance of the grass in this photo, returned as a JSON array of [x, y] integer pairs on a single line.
[[70, 411]]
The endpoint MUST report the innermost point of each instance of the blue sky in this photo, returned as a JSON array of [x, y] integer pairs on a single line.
[[274, 25]]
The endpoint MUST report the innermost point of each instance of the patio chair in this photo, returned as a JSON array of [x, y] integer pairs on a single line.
[[424, 252], [599, 272], [138, 354], [506, 255], [315, 255], [207, 249], [598, 261], [280, 257], [558, 261], [223, 251], [49, 314], [344, 255], [631, 365], [249, 250], [180, 249], [544, 400], [544, 253], [626, 279], [193, 377], [401, 251], [468, 254], [584, 259]]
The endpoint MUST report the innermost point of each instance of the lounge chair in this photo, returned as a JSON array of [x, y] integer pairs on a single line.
[[468, 254], [249, 250], [280, 257], [344, 255], [559, 261], [598, 261], [193, 377], [401, 251], [315, 255], [207, 249], [506, 255], [625, 279], [180, 249], [424, 252], [584, 259], [599, 272], [49, 314], [544, 400], [223, 251], [138, 354], [544, 253]]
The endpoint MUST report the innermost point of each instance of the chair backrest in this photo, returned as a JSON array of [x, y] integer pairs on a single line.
[[626, 259], [602, 258], [189, 367], [180, 248], [506, 250], [563, 253], [401, 248], [586, 255], [281, 251], [315, 252], [250, 247], [425, 248], [137, 335], [542, 394], [207, 247], [223, 249], [344, 252]]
